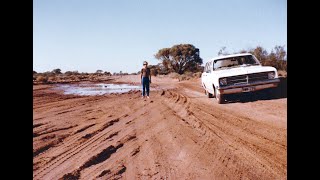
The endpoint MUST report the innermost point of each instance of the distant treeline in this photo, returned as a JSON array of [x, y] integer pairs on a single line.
[[179, 59], [276, 58], [185, 58], [56, 75]]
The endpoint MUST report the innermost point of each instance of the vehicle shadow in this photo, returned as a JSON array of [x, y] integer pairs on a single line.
[[268, 94]]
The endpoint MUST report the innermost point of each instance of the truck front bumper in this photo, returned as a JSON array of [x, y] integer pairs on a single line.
[[240, 88]]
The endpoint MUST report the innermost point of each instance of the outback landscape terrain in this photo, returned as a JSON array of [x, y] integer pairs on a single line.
[[179, 133]]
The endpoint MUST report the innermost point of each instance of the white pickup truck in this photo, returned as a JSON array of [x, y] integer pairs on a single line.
[[237, 73]]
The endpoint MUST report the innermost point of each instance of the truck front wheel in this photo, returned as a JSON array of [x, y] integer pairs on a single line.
[[209, 95], [219, 97]]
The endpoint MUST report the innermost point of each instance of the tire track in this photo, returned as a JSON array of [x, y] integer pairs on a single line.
[[73, 151]]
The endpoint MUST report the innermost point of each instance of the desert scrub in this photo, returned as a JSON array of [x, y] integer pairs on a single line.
[[42, 79], [282, 73], [82, 77], [174, 75], [186, 76], [74, 78], [197, 74], [183, 77], [52, 79], [154, 72]]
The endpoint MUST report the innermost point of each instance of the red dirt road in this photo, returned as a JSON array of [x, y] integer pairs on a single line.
[[177, 134]]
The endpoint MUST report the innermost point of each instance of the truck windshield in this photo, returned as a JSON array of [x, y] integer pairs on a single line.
[[233, 62]]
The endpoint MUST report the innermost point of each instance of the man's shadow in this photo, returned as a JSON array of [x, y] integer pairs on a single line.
[[267, 94]]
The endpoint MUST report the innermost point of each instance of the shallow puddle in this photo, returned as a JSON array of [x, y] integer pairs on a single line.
[[95, 89]]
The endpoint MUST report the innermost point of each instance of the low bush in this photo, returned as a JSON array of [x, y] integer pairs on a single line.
[[42, 79]]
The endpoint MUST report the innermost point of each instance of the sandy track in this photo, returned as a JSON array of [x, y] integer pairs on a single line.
[[177, 134]]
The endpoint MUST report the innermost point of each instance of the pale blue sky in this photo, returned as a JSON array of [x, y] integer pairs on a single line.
[[118, 35]]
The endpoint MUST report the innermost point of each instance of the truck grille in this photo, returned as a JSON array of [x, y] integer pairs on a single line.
[[249, 78]]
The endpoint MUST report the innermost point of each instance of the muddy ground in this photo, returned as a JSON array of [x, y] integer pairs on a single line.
[[178, 133]]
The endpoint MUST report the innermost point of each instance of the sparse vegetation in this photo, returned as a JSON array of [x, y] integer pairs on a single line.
[[42, 79], [56, 71], [180, 58], [99, 72], [173, 75], [52, 79], [56, 76], [197, 74], [185, 76], [107, 73], [69, 73], [154, 70], [282, 73], [276, 58], [179, 62]]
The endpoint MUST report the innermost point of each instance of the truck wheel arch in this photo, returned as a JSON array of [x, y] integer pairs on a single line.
[[214, 91]]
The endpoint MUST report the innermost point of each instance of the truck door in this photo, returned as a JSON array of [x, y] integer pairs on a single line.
[[204, 76], [209, 79]]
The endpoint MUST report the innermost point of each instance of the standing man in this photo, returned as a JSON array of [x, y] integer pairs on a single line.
[[145, 79]]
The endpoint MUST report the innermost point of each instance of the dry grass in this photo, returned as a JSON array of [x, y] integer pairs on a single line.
[[42, 79], [282, 73], [197, 74], [185, 76]]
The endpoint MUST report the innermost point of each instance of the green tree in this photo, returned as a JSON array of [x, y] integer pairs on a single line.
[[99, 71], [179, 58], [154, 70], [42, 79], [68, 73], [280, 53], [56, 71], [107, 73], [260, 53], [281, 57], [276, 58]]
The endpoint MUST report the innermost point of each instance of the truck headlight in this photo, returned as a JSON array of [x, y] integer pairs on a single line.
[[223, 81], [271, 75]]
